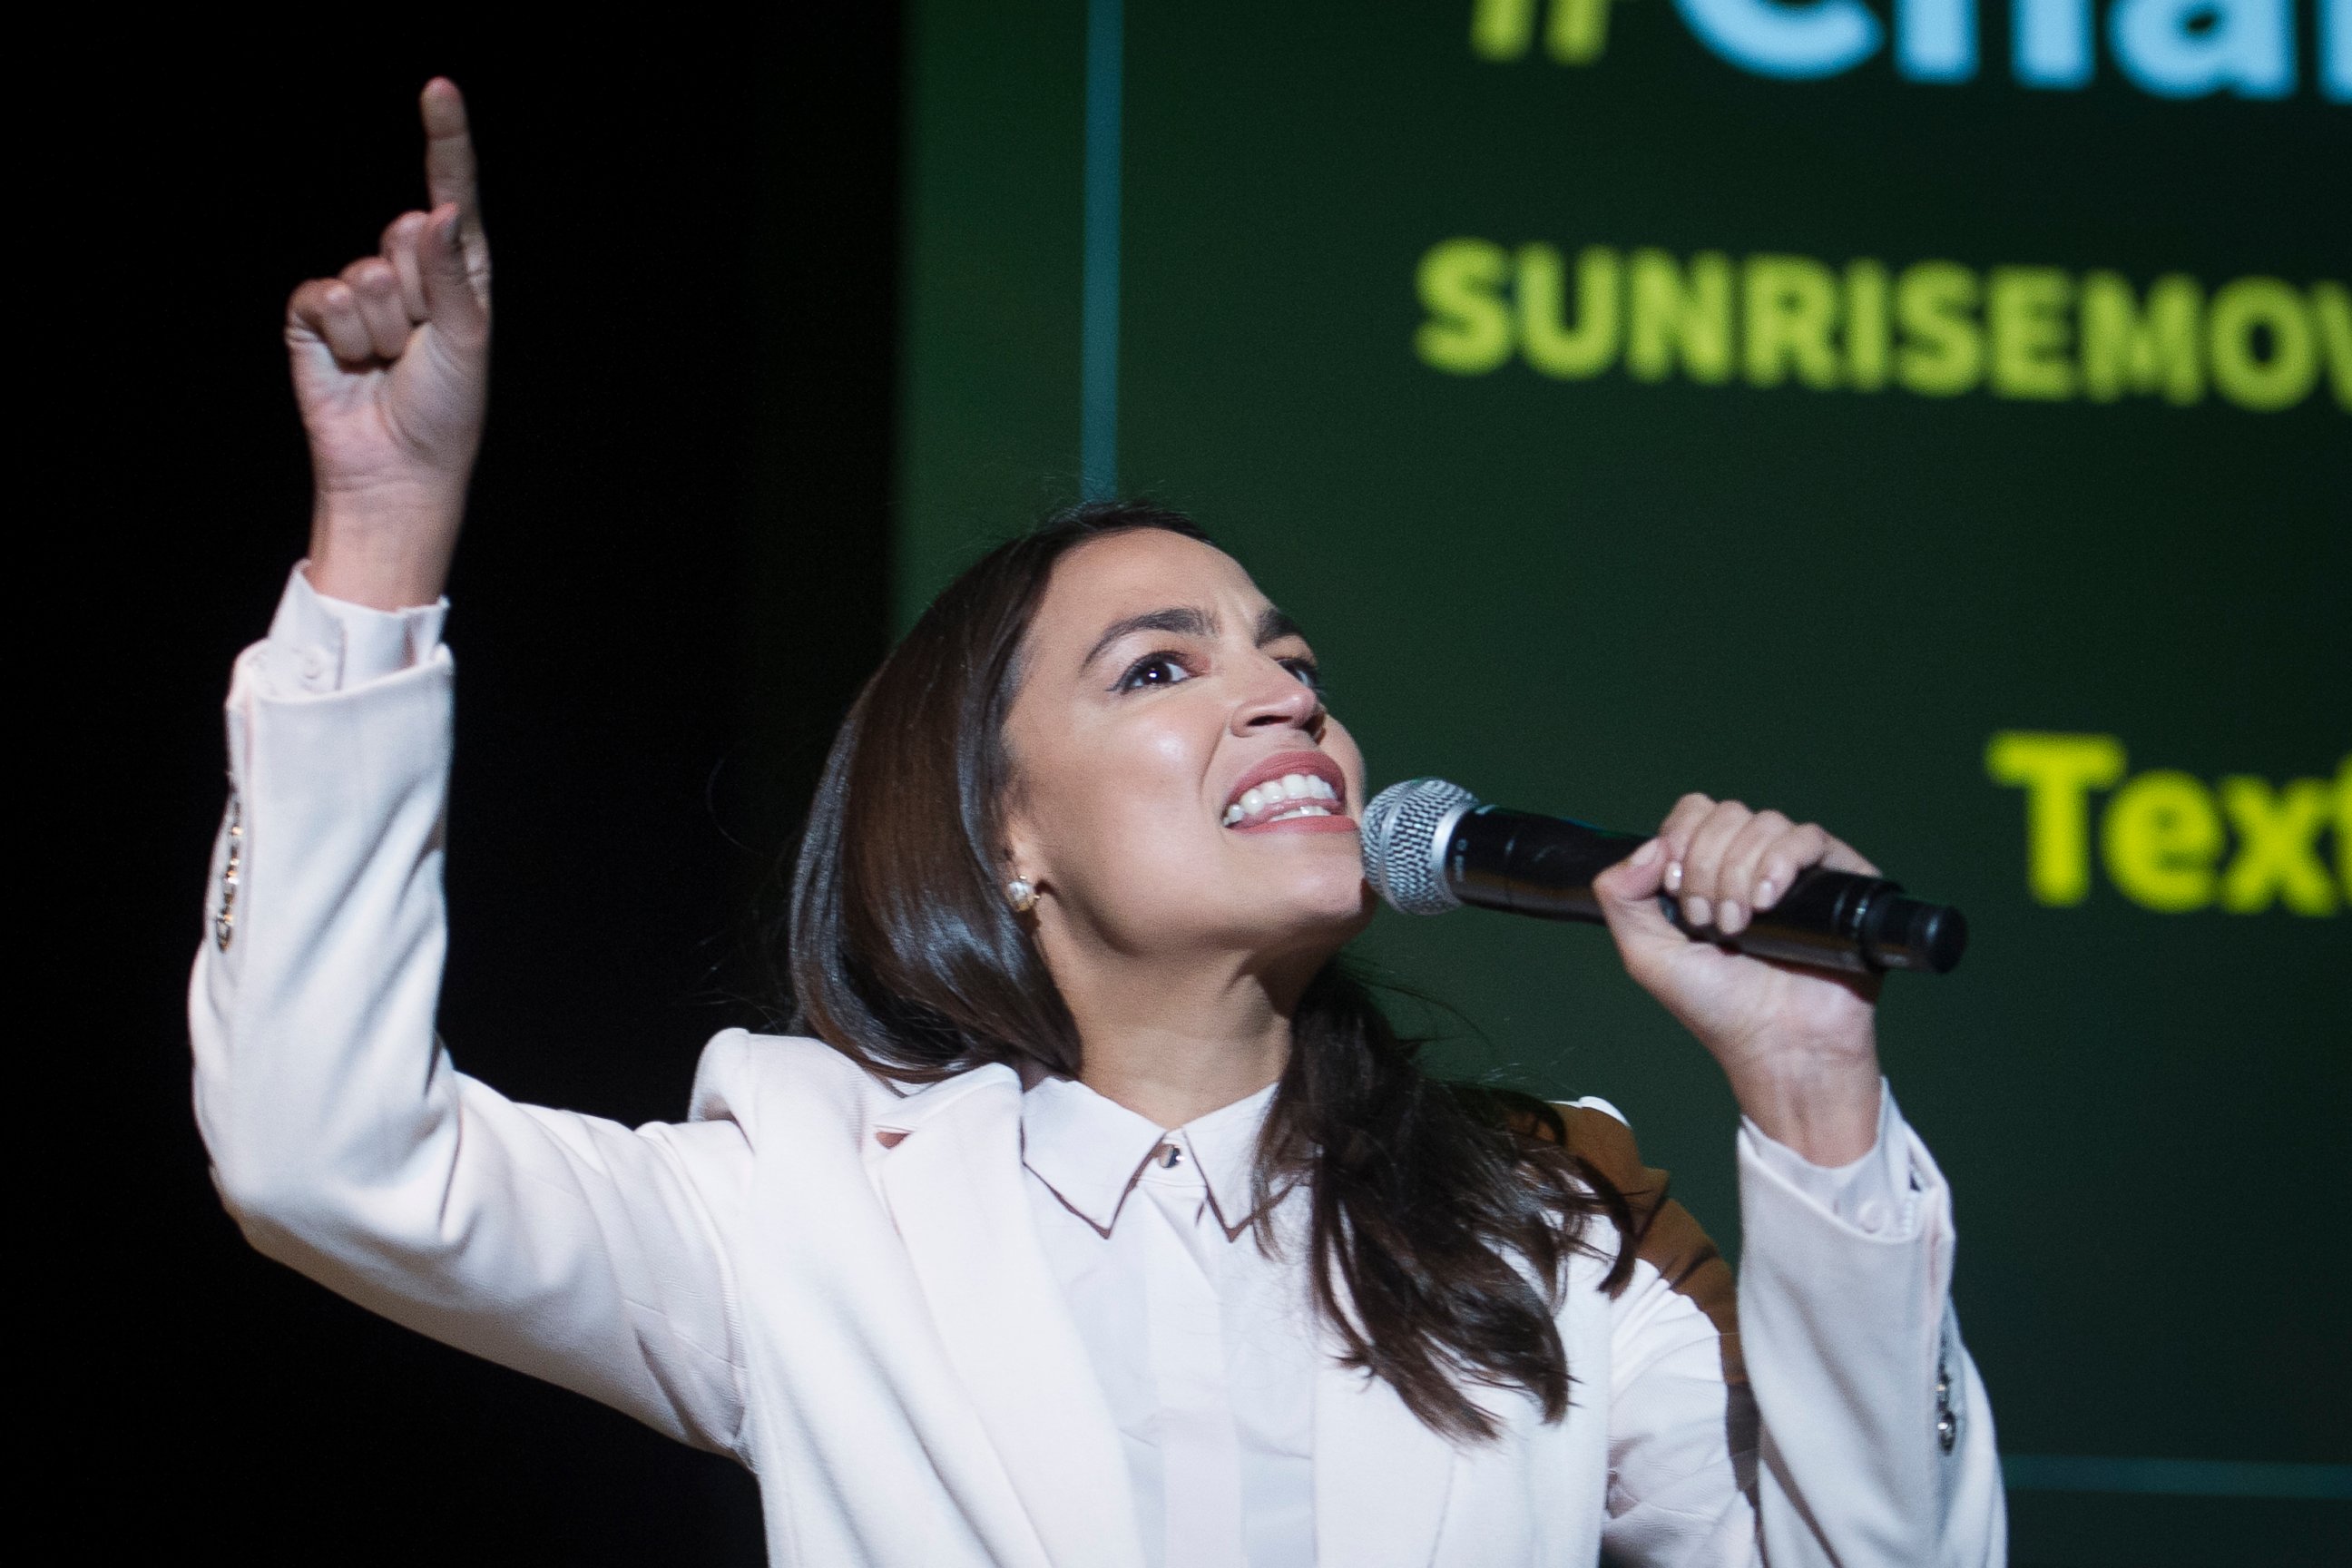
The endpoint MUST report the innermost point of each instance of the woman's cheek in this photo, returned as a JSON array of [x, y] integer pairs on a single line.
[[1144, 846], [1341, 744]]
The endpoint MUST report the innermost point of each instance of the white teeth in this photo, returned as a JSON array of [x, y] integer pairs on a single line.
[[1275, 793]]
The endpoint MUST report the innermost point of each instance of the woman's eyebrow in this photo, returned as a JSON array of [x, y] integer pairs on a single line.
[[1180, 620]]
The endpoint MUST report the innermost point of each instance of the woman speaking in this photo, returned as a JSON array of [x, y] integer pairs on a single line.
[[1093, 1217]]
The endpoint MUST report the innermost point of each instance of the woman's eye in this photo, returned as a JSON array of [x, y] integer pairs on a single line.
[[1153, 670], [1309, 673]]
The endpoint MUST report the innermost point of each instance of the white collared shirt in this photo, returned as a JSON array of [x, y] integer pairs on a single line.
[[1206, 1347]]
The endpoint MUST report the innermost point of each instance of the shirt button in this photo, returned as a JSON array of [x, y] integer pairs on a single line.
[[1871, 1216], [1166, 1156]]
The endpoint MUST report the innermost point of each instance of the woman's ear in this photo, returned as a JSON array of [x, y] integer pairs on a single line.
[[1019, 853], [1017, 870]]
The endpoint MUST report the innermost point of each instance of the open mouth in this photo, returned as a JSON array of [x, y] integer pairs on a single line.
[[1299, 786]]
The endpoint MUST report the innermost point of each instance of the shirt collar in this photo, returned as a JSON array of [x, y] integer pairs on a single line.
[[1090, 1151]]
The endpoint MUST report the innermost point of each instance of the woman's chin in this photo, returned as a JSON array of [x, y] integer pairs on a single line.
[[1326, 912]]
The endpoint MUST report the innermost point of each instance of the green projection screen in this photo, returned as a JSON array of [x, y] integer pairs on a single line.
[[1929, 418]]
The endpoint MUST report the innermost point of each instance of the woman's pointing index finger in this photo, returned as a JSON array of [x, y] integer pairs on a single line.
[[448, 148]]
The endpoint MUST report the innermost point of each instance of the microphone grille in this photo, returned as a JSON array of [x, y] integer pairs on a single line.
[[1402, 847]]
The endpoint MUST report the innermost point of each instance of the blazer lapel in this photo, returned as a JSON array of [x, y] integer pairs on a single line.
[[952, 1177], [1382, 1478]]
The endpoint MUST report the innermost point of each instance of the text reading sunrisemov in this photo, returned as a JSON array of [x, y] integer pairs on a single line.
[[1932, 327]]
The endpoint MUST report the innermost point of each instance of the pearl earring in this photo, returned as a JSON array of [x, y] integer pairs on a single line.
[[1020, 895]]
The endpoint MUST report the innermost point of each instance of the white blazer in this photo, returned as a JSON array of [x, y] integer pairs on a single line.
[[838, 1283]]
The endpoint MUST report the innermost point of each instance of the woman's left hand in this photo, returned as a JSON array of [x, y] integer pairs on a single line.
[[1800, 1044]]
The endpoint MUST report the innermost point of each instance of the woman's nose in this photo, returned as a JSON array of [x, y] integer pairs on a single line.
[[1280, 699]]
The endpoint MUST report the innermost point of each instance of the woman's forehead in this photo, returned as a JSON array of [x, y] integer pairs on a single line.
[[1136, 572]]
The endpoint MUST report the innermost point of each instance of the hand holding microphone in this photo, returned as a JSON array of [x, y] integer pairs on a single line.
[[1766, 938], [1769, 888]]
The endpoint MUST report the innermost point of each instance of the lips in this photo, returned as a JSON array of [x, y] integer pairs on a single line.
[[1292, 790]]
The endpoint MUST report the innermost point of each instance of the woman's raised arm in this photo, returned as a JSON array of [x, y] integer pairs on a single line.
[[343, 1139], [392, 363]]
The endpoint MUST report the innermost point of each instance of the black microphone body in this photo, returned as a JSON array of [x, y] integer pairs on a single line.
[[1429, 845]]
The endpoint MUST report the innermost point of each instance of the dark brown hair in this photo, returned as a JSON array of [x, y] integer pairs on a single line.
[[1443, 1216]]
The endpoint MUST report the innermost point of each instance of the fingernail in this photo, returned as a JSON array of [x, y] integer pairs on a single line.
[[1695, 910], [1674, 876], [1730, 917], [1646, 853], [1765, 893]]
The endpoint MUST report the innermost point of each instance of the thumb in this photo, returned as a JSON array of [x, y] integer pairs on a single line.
[[1628, 895], [458, 313]]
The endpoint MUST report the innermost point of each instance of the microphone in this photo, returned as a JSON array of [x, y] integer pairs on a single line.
[[1431, 847]]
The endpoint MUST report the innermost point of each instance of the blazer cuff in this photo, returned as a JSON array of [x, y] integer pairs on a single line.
[[1877, 1195], [319, 645]]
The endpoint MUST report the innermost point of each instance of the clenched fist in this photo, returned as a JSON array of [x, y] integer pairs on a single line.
[[391, 360]]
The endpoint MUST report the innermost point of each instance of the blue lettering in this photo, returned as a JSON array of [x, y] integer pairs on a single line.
[[2050, 43], [1936, 40], [1798, 42], [2244, 45], [2171, 49], [2336, 49]]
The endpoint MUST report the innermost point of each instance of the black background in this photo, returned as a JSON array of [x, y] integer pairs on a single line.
[[674, 575]]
